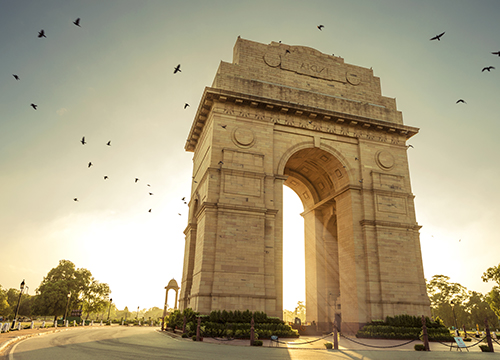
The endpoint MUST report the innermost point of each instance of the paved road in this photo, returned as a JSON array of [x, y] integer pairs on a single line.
[[147, 343]]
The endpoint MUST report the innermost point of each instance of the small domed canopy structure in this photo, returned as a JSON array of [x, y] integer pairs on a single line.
[[172, 284]]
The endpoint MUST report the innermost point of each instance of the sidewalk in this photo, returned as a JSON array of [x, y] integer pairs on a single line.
[[349, 343]]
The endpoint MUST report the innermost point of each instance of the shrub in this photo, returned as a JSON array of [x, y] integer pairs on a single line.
[[329, 345], [257, 343], [186, 335], [419, 347], [484, 348]]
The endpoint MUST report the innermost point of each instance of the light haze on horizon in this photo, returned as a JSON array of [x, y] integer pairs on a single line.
[[112, 80]]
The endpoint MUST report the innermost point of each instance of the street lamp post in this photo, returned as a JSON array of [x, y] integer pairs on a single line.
[[18, 304], [109, 310], [67, 305]]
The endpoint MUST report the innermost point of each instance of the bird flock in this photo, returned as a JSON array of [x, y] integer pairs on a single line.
[[83, 141], [486, 68]]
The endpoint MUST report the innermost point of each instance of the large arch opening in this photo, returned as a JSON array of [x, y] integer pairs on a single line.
[[293, 254], [316, 176]]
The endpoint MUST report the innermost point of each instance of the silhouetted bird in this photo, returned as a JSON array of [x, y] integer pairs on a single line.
[[109, 143], [83, 141], [90, 164], [148, 185], [16, 77], [287, 51], [177, 69], [356, 158], [409, 146], [77, 22], [75, 199], [361, 180], [184, 198], [136, 179], [179, 214], [223, 126], [149, 210], [33, 106], [186, 105], [220, 163], [438, 37], [150, 193], [320, 27], [41, 34], [105, 177], [488, 68], [496, 53], [460, 101]]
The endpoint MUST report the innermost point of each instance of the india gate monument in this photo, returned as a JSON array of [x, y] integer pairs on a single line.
[[291, 115]]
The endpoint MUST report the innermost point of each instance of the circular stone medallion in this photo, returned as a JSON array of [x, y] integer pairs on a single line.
[[272, 58], [353, 78], [243, 137], [384, 159]]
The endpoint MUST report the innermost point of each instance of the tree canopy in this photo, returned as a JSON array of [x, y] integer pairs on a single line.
[[67, 283], [493, 297]]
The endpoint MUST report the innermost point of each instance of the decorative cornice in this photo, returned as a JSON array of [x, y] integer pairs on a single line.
[[390, 224], [282, 107]]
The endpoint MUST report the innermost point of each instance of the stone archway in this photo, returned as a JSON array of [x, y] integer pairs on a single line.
[[290, 115]]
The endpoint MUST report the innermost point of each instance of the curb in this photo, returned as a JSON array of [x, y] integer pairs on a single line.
[[11, 342]]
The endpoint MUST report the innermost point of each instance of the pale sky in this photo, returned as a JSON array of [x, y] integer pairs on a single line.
[[112, 80]]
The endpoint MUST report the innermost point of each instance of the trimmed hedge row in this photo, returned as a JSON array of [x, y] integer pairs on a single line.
[[404, 327], [242, 330]]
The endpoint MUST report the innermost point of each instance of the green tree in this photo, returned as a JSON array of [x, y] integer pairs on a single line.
[[52, 294], [4, 304], [95, 297], [448, 300], [493, 297]]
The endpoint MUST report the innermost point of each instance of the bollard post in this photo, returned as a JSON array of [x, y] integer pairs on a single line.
[[425, 336], [488, 335], [184, 325], [198, 329], [335, 336], [32, 326], [252, 332]]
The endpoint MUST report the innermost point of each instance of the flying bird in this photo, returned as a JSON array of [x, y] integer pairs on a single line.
[[287, 51], [438, 37], [320, 27], [136, 179], [109, 143], [149, 210], [16, 77], [409, 146], [356, 158], [90, 164], [148, 185], [177, 69], [105, 177], [75, 199], [41, 34], [186, 105], [150, 193], [220, 163], [496, 53], [488, 68], [461, 101], [77, 22], [184, 198], [179, 214], [223, 126], [34, 106], [83, 141]]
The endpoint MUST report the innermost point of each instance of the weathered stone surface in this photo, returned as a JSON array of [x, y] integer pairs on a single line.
[[290, 115]]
